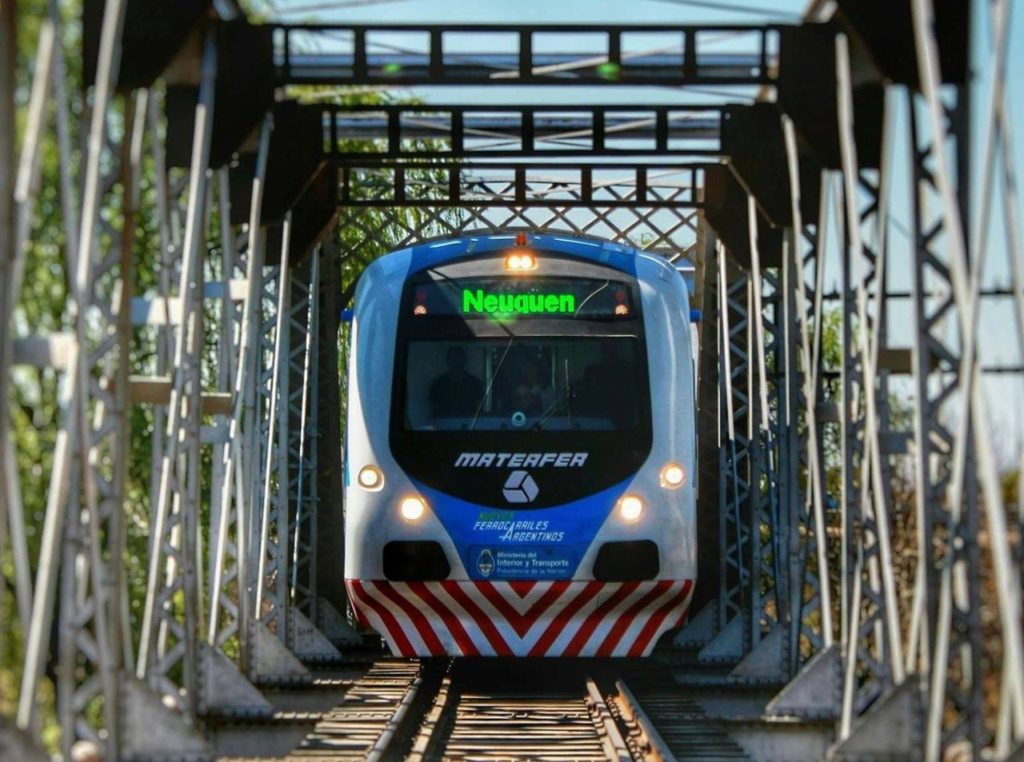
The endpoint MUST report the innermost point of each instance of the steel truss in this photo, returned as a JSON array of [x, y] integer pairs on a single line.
[[959, 502], [808, 543], [303, 366], [738, 460], [232, 494], [917, 650], [521, 185], [670, 232], [84, 534], [438, 133], [756, 472], [664, 54], [874, 659], [173, 552], [811, 612]]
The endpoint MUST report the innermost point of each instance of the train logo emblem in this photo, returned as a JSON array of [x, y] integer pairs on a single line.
[[520, 487], [485, 563]]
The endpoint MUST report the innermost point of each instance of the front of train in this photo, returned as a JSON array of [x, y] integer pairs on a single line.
[[520, 446]]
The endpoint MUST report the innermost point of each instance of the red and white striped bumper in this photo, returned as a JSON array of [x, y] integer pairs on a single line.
[[543, 618]]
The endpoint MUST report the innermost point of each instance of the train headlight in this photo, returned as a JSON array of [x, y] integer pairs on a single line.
[[673, 476], [630, 508], [413, 508], [518, 261], [371, 478]]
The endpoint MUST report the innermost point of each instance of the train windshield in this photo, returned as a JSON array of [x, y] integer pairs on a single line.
[[524, 383]]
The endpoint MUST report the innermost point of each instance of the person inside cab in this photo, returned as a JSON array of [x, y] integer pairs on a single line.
[[529, 394], [608, 389], [456, 392]]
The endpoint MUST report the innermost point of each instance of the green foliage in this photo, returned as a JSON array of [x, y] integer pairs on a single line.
[[41, 309]]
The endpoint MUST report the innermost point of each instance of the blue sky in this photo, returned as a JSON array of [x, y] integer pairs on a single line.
[[536, 11]]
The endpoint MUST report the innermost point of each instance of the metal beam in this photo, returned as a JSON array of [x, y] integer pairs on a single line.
[[442, 132], [401, 55], [522, 185]]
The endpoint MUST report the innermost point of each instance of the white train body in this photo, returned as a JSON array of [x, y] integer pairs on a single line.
[[520, 448]]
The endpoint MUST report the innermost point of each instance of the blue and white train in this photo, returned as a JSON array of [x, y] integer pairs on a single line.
[[520, 448]]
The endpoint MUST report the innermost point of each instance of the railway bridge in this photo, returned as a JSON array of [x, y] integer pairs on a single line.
[[846, 210]]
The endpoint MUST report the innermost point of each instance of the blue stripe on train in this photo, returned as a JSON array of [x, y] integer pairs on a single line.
[[606, 253], [540, 543]]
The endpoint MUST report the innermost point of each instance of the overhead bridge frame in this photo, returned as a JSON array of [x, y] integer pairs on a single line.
[[438, 132], [505, 184], [554, 54]]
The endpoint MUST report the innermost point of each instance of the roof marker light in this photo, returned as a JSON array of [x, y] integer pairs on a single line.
[[518, 261]]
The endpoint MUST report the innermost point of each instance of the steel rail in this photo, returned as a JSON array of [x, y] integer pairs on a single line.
[[408, 715], [428, 743], [448, 711], [374, 714], [612, 741], [650, 738]]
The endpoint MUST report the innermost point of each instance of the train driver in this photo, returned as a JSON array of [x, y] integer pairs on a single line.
[[456, 392]]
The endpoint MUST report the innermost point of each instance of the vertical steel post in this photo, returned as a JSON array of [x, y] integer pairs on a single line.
[[90, 623], [708, 417], [875, 660], [957, 704], [812, 512], [272, 562], [765, 429], [302, 583], [737, 456], [37, 625], [177, 501], [329, 535]]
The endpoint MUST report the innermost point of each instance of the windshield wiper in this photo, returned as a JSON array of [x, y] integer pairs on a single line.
[[487, 391], [590, 296]]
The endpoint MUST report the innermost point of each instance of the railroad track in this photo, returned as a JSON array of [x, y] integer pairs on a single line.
[[506, 709], [672, 727], [500, 710], [374, 712]]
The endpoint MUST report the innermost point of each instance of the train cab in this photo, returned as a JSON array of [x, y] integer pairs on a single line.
[[520, 448]]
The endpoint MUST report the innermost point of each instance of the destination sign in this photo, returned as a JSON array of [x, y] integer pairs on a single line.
[[512, 298], [479, 301]]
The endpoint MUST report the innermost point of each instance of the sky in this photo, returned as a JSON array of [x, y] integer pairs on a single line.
[[999, 343], [539, 11]]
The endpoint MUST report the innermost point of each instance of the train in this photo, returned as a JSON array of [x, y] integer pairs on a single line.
[[520, 448]]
